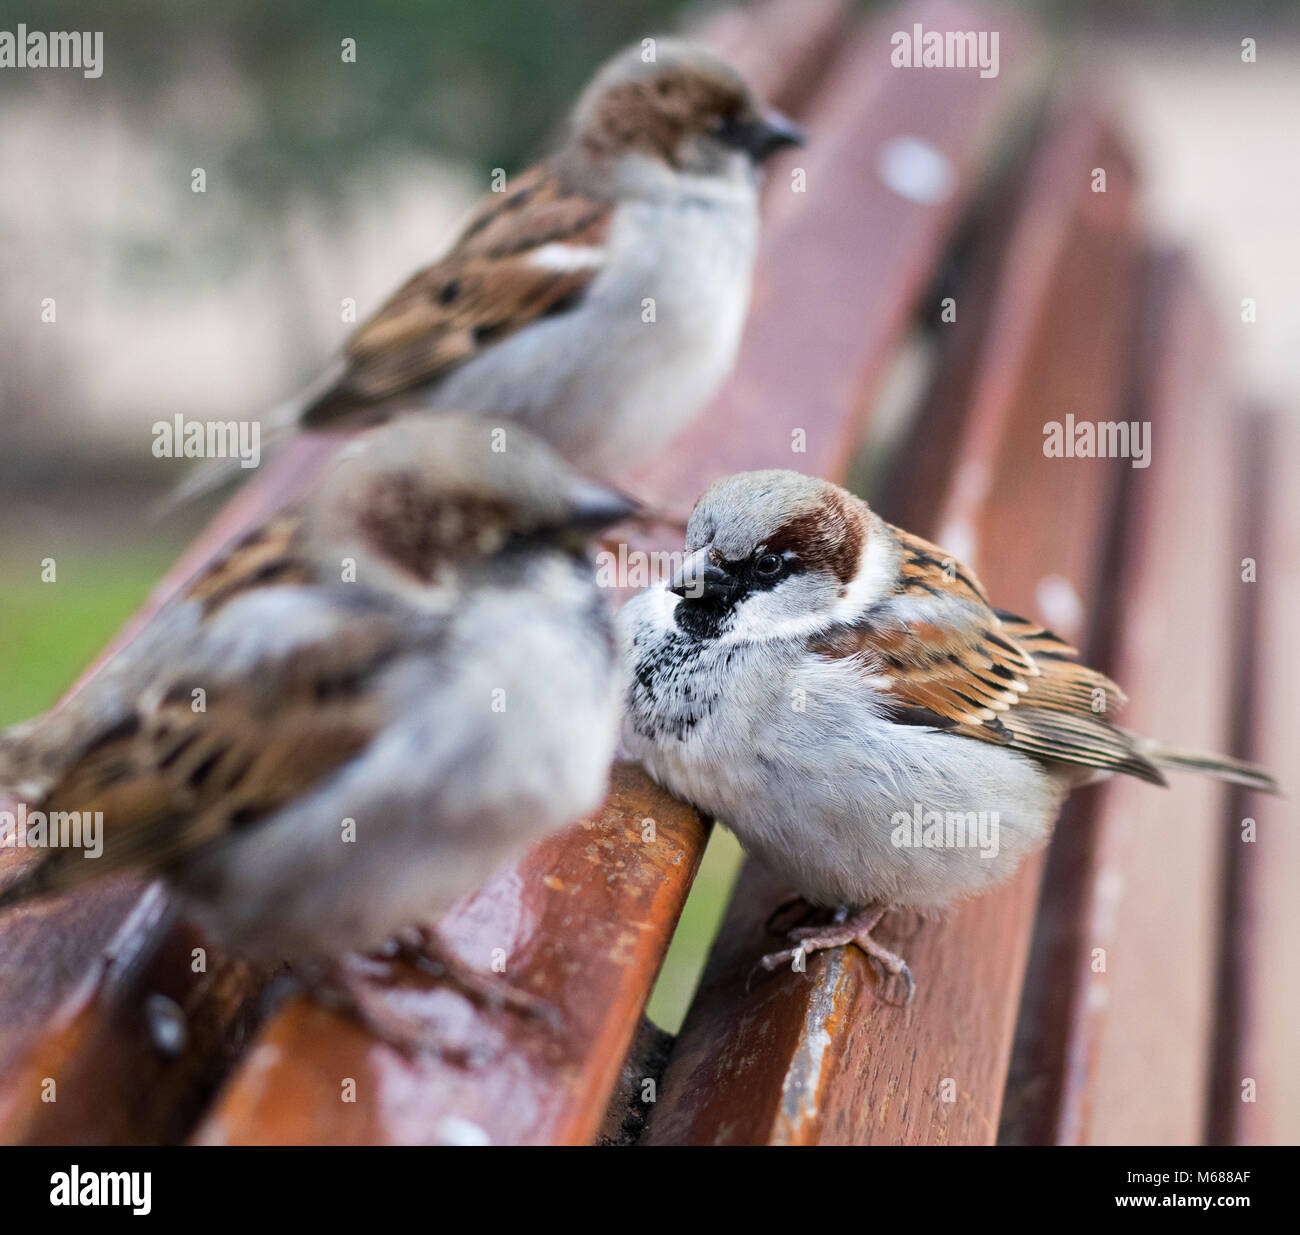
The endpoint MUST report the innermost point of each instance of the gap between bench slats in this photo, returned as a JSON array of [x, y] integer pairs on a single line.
[[1269, 917]]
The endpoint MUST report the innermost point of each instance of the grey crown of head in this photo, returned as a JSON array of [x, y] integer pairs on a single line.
[[446, 485], [670, 56], [738, 514]]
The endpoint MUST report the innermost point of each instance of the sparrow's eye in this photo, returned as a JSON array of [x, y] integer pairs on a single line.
[[769, 565]]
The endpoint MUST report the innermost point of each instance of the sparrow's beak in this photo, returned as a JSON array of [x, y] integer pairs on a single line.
[[701, 579], [593, 507], [771, 132]]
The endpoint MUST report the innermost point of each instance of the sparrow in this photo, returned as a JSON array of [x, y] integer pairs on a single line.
[[843, 696], [359, 710], [599, 298]]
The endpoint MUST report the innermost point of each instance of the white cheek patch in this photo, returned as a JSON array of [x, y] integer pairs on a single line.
[[874, 578], [566, 257], [776, 614]]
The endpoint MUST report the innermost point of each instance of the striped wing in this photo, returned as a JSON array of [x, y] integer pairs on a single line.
[[527, 254], [944, 657]]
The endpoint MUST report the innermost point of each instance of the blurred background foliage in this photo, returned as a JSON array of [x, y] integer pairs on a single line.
[[478, 82], [481, 81]]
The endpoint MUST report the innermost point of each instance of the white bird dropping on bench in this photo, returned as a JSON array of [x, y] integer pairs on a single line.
[[597, 297], [366, 705], [842, 695]]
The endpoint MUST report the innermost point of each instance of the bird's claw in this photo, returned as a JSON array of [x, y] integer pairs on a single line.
[[421, 948], [855, 930]]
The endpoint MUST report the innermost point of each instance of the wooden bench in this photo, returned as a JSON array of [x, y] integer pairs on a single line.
[[919, 188]]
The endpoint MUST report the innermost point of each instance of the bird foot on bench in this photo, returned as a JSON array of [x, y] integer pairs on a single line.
[[854, 930], [359, 986], [348, 988], [421, 948]]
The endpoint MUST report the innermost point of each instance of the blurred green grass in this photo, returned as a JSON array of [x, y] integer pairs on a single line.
[[701, 917], [50, 632]]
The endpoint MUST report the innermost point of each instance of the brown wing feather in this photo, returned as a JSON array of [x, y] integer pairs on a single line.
[[34, 755], [481, 291], [270, 554], [983, 673], [168, 779]]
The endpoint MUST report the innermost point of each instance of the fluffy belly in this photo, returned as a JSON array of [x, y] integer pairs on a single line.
[[649, 344], [923, 824]]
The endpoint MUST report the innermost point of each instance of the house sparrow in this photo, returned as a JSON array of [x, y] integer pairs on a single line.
[[842, 695], [600, 298], [314, 764]]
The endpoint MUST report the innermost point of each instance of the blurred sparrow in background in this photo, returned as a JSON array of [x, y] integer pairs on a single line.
[[818, 681], [456, 702], [600, 298]]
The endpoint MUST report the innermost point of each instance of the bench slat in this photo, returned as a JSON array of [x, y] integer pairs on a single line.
[[1270, 914], [1158, 879], [1241, 1046], [845, 262], [1136, 874]]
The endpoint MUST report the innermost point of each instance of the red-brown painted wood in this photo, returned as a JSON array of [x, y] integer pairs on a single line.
[[1270, 917]]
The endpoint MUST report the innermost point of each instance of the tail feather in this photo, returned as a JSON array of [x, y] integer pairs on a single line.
[[1221, 767], [278, 426], [213, 474], [207, 477]]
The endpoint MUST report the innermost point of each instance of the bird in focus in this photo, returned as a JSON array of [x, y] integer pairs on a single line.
[[599, 298], [842, 695], [358, 711]]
